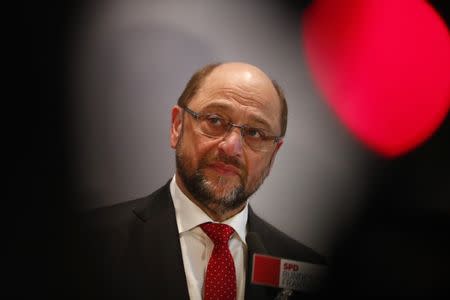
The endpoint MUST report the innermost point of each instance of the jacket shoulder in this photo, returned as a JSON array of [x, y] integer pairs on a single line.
[[121, 215]]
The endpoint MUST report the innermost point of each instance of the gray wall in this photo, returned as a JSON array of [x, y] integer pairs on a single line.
[[132, 60]]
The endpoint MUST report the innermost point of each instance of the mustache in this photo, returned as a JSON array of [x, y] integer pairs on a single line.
[[223, 158], [229, 160]]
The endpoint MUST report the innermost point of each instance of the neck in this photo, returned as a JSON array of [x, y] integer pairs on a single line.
[[210, 211]]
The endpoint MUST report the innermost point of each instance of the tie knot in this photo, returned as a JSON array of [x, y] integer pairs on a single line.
[[218, 233]]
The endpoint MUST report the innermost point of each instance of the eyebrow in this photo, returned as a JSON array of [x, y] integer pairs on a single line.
[[228, 107]]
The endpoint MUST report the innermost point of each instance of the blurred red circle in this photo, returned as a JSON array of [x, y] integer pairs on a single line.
[[383, 66]]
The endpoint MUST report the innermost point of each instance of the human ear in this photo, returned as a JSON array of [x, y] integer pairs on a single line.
[[176, 128]]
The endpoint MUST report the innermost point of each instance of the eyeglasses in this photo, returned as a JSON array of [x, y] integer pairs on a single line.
[[214, 126]]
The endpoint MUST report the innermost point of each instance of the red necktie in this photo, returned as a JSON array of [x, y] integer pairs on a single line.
[[220, 279]]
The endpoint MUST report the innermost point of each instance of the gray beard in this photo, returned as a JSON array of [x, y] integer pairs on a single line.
[[203, 190]]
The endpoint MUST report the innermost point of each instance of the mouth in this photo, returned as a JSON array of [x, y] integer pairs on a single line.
[[224, 169]]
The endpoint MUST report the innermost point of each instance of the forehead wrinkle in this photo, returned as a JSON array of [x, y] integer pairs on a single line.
[[243, 98], [219, 105]]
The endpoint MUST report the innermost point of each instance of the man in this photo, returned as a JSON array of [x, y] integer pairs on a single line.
[[226, 129]]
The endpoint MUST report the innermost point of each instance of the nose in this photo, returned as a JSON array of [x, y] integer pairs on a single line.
[[231, 144]]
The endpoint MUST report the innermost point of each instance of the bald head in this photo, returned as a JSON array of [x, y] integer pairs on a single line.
[[237, 72], [248, 79]]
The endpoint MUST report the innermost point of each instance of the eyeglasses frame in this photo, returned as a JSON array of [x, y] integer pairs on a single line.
[[197, 116]]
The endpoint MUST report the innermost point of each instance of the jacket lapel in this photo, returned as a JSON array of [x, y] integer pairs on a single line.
[[154, 254]]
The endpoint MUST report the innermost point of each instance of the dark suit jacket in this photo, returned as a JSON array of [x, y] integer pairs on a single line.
[[132, 251]]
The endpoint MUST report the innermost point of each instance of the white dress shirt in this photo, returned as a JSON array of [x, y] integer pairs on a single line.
[[196, 246]]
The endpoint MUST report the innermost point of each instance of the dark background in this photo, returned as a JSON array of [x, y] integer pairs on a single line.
[[398, 247]]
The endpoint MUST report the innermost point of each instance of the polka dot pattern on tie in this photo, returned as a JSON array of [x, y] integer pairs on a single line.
[[220, 279]]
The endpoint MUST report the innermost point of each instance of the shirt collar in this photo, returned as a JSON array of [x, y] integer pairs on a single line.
[[189, 215]]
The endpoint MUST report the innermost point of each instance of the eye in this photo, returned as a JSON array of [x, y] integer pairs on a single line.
[[214, 120], [255, 133]]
